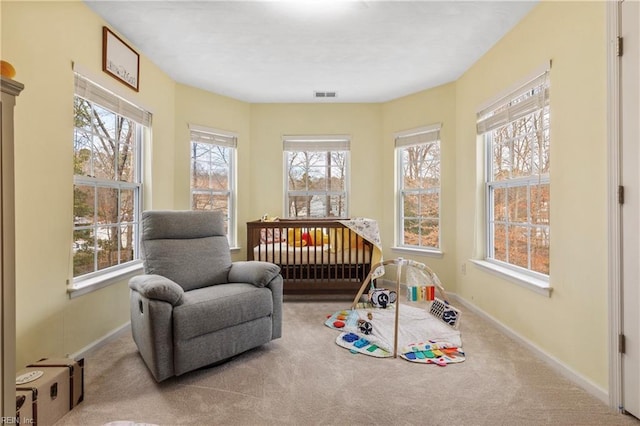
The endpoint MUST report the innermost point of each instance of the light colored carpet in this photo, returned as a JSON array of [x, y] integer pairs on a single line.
[[306, 379]]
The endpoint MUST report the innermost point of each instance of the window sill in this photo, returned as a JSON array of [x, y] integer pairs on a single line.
[[84, 286], [424, 252], [536, 285]]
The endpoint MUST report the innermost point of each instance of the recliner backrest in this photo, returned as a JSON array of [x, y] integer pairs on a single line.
[[188, 247]]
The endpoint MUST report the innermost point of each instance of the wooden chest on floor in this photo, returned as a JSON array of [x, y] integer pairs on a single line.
[[56, 391], [76, 376]]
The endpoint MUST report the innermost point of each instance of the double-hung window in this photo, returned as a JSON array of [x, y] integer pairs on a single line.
[[515, 130], [418, 184], [213, 168], [107, 183], [317, 176]]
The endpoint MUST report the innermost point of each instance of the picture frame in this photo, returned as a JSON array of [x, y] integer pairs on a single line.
[[119, 60]]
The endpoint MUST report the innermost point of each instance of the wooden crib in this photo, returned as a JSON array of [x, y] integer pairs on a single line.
[[320, 256]]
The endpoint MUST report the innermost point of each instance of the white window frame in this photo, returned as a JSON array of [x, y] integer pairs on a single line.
[[420, 136], [317, 143], [496, 115], [227, 140], [98, 95]]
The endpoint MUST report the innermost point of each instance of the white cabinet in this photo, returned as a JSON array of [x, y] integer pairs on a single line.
[[10, 90]]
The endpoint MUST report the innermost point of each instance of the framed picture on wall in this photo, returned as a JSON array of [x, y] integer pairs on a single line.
[[119, 60]]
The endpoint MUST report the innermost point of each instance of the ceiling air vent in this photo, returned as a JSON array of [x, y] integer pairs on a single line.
[[324, 94]]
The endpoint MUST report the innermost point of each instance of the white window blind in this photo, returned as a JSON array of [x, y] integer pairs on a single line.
[[316, 143], [92, 92], [418, 137], [525, 100], [212, 136]]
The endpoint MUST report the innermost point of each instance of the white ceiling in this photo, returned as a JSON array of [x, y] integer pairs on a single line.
[[284, 51]]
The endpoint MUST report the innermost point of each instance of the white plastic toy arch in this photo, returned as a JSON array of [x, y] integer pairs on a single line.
[[416, 274]]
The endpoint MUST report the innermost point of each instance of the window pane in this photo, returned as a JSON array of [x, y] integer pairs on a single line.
[[221, 203], [540, 249], [519, 246], [107, 246], [125, 128], [337, 206], [202, 201], [316, 171], [82, 113], [521, 154], [83, 205], [83, 153], [316, 183], [127, 204], [220, 166], [211, 201], [421, 166], [317, 206], [336, 178], [540, 204], [501, 161], [430, 165], [107, 206], [200, 175], [517, 199], [411, 205], [429, 233], [104, 122], [499, 204], [126, 163], [297, 178], [298, 205], [104, 158], [430, 205], [83, 252], [500, 242], [127, 235], [317, 179], [412, 232], [543, 136]]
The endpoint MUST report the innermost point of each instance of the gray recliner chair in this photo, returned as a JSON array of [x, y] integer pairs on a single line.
[[193, 306]]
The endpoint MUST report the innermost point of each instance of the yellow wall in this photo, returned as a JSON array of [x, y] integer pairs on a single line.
[[41, 40], [571, 325]]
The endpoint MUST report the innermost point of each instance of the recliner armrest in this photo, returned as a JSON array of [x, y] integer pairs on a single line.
[[157, 287], [253, 272]]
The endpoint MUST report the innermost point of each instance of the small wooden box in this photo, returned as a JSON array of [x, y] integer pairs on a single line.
[[76, 376], [49, 393]]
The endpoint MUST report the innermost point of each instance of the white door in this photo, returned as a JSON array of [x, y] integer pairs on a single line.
[[630, 178]]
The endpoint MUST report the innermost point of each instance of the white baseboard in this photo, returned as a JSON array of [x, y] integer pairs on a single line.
[[112, 335], [553, 362]]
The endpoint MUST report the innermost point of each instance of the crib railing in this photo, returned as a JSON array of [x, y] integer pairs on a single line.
[[319, 256]]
